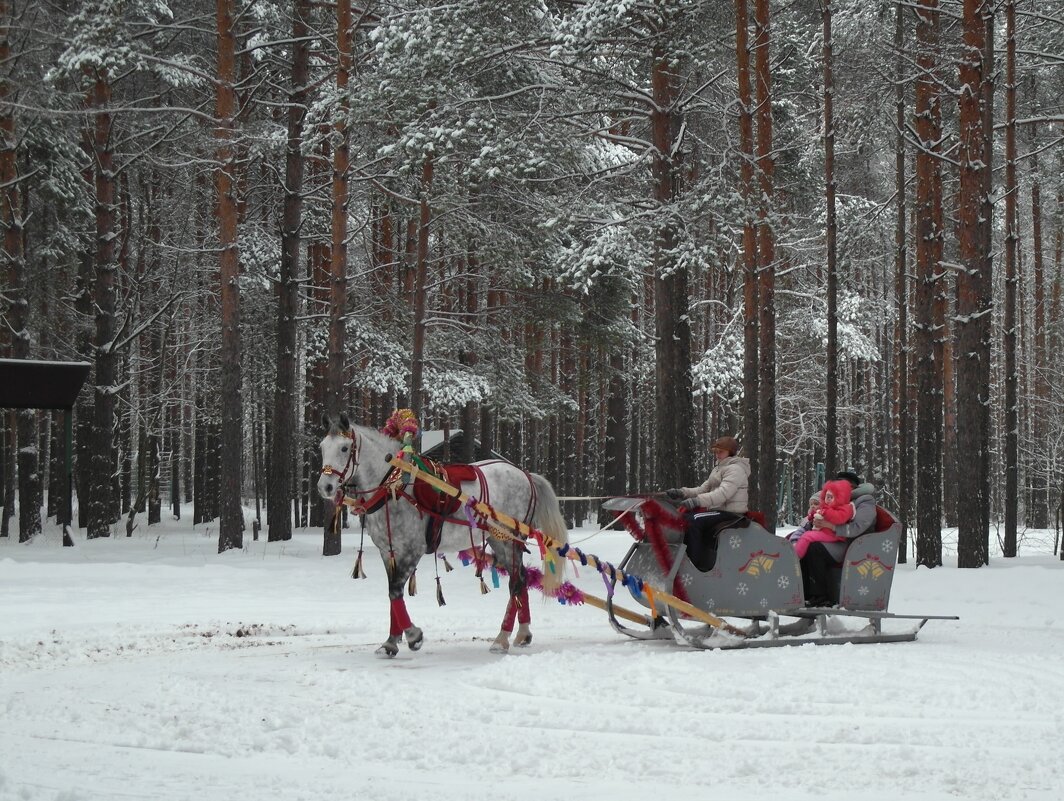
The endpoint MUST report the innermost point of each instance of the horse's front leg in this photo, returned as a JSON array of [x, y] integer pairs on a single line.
[[516, 608], [400, 623]]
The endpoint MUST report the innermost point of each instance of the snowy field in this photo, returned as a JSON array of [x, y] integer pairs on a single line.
[[154, 668]]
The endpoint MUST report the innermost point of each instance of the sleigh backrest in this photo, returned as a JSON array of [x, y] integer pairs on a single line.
[[869, 564]]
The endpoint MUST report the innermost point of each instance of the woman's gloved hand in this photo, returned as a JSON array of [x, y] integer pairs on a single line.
[[674, 494]]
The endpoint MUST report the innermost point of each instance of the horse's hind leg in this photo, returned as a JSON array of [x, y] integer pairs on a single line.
[[516, 608], [524, 633], [519, 599]]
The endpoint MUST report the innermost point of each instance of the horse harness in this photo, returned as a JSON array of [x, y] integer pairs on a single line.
[[427, 499]]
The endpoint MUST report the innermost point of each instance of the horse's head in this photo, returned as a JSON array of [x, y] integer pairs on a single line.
[[339, 457]]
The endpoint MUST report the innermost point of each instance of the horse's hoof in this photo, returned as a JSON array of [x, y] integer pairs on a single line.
[[388, 649], [523, 640], [501, 645], [415, 638]]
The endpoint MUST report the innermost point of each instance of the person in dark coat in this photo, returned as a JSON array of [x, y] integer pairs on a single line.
[[818, 583]]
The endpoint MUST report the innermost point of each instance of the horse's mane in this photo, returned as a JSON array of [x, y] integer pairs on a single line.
[[383, 441]]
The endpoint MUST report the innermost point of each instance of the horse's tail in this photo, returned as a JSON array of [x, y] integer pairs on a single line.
[[548, 518]]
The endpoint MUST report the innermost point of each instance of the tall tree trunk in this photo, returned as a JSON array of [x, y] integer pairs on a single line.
[[176, 432], [949, 412], [417, 352], [471, 410], [157, 373], [831, 373], [17, 292], [766, 249], [101, 503], [334, 389], [928, 344], [200, 510], [673, 331], [488, 419], [750, 256], [1038, 513], [231, 523], [972, 323], [614, 458], [901, 335], [7, 489], [282, 428], [56, 503], [318, 513], [1012, 423]]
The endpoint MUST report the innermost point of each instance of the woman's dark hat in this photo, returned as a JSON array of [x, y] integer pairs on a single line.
[[850, 476]]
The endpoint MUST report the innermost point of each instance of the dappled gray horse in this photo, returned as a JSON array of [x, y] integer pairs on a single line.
[[354, 463]]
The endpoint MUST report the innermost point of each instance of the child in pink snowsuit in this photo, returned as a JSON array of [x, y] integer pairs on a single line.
[[835, 507]]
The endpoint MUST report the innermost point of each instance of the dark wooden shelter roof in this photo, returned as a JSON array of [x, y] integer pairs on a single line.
[[33, 384]]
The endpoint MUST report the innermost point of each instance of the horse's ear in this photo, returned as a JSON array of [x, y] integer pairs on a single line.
[[326, 422], [345, 424]]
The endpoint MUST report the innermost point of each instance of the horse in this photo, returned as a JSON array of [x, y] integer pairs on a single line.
[[354, 463]]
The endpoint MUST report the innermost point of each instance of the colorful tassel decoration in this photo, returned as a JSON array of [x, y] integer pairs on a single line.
[[494, 577], [411, 586], [439, 593], [534, 578], [569, 594], [358, 572]]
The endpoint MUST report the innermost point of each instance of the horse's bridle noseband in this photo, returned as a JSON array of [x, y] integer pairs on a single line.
[[349, 468]]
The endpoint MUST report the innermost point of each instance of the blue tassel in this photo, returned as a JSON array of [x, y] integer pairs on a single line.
[[494, 577]]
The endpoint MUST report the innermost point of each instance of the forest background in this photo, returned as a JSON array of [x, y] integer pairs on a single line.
[[591, 235]]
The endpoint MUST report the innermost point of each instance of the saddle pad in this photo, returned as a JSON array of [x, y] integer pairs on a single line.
[[429, 498], [458, 473]]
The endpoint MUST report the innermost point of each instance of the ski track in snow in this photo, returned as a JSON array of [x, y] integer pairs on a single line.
[[152, 668]]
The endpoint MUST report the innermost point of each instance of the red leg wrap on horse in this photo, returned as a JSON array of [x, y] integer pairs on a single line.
[[508, 618], [400, 619], [524, 614]]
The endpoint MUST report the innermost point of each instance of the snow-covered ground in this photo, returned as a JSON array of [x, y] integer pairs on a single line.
[[153, 668]]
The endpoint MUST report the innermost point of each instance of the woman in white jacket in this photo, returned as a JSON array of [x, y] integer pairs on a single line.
[[720, 500]]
